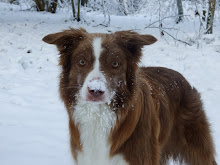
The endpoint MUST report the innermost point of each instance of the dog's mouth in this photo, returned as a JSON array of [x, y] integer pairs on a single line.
[[95, 95]]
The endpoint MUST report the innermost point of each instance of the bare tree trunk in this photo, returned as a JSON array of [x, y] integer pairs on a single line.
[[84, 2], [210, 18], [78, 14], [103, 8], [51, 6], [125, 7], [46, 5], [204, 11], [180, 11], [203, 14], [40, 5], [125, 4], [73, 8], [14, 2]]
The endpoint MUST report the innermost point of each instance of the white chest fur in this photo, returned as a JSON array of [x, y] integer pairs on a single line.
[[95, 123]]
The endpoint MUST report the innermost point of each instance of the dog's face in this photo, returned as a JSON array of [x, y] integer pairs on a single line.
[[98, 68]]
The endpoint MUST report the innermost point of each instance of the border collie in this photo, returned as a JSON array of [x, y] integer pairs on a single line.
[[123, 114]]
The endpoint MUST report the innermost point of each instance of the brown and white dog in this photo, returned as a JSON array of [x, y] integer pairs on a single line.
[[122, 114]]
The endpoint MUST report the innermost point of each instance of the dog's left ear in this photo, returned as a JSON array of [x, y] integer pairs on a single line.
[[66, 39], [133, 42]]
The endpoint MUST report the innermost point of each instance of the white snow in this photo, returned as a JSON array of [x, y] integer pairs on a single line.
[[97, 85], [33, 120]]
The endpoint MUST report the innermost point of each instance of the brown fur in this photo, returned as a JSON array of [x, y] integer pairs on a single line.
[[159, 114]]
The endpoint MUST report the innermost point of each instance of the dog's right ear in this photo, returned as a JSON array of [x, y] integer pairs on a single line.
[[66, 39]]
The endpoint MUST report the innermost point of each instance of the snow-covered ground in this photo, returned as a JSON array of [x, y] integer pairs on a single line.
[[33, 120]]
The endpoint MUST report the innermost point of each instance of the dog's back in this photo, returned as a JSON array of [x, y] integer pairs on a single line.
[[185, 132]]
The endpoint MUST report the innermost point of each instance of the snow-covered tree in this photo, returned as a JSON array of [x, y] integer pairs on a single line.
[[46, 5], [180, 11], [210, 18]]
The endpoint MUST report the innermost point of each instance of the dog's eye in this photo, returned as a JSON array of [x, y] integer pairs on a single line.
[[115, 64], [82, 62]]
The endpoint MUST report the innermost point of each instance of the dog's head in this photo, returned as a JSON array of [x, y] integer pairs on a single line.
[[98, 68]]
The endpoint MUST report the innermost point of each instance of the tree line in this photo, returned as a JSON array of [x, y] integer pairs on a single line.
[[124, 6]]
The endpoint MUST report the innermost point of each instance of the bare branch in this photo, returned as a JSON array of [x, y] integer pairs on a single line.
[[176, 38], [163, 19]]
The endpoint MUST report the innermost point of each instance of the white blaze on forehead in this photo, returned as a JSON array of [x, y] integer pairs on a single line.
[[97, 48], [96, 79]]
